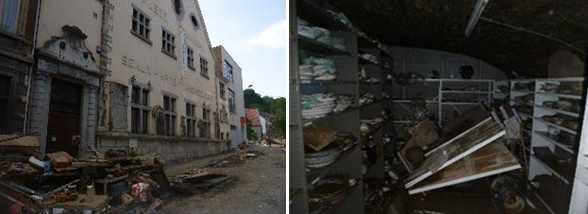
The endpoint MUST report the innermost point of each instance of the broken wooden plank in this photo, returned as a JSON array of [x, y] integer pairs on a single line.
[[458, 148], [18, 141], [490, 160], [458, 136], [318, 136]]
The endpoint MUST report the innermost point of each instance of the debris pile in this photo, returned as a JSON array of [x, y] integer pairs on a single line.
[[197, 180], [60, 183]]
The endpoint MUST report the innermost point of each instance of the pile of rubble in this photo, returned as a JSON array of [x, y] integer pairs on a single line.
[[113, 181]]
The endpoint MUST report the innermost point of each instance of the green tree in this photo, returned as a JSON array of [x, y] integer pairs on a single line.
[[280, 122], [250, 133]]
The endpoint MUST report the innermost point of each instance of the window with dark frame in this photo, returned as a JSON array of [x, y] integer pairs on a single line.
[[140, 25], [205, 128], [216, 126], [190, 53], [9, 16], [139, 110], [221, 87], [228, 71], [203, 67], [4, 97], [231, 97], [190, 119], [168, 42], [169, 115]]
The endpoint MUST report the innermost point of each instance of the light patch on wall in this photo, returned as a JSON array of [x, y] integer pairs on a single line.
[[274, 36]]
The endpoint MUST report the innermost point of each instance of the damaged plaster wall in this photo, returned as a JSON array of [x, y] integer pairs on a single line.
[[171, 150], [424, 61], [563, 63]]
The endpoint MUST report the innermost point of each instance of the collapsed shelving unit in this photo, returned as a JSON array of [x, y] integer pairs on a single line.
[[471, 155]]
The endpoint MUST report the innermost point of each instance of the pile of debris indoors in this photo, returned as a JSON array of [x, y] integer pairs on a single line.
[[113, 182]]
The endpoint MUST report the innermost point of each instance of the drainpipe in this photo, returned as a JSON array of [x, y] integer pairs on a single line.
[[31, 69], [97, 139]]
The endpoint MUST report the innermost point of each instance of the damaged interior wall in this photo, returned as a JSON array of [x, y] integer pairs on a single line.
[[424, 61], [563, 63]]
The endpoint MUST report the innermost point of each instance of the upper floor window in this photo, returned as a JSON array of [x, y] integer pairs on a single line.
[[168, 42], [190, 57], [222, 89], [194, 20], [13, 16], [140, 25], [231, 96], [228, 71], [178, 6], [139, 110], [203, 67], [169, 114]]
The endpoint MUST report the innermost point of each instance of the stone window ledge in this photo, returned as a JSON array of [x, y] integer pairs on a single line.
[[125, 135]]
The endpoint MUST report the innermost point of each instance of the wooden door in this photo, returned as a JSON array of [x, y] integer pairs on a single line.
[[64, 117]]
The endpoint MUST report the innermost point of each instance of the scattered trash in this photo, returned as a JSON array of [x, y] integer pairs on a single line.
[[61, 183]]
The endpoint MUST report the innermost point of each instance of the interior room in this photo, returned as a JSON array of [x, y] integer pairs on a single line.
[[438, 107]]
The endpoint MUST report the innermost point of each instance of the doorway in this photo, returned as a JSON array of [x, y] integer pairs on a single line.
[[64, 117]]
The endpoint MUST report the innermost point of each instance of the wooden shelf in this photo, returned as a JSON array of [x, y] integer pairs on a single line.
[[333, 82], [350, 109], [459, 103], [556, 125], [313, 175], [375, 102], [310, 11], [551, 168], [552, 141], [568, 113], [569, 96], [466, 92], [307, 44]]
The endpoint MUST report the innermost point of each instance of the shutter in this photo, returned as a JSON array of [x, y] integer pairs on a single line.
[[118, 107]]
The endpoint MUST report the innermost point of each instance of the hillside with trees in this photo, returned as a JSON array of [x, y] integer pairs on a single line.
[[269, 105]]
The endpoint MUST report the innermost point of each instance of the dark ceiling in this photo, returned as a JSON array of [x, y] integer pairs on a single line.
[[440, 25]]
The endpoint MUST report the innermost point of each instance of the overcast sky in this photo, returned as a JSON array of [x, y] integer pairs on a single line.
[[255, 33]]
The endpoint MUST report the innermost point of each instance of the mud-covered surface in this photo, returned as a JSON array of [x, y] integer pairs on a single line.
[[257, 186]]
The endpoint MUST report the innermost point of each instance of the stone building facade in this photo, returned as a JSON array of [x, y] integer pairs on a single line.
[[230, 74], [18, 19], [133, 75]]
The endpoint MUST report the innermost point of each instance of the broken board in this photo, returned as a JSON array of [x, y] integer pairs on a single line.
[[318, 136], [18, 141], [489, 160], [456, 149]]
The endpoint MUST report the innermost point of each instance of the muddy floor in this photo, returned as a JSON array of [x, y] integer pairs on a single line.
[[258, 186]]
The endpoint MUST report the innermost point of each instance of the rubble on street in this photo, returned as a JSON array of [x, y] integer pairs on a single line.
[[112, 182], [236, 159]]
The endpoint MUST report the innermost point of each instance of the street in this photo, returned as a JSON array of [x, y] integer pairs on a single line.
[[258, 186]]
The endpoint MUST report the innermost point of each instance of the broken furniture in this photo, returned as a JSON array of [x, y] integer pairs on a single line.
[[88, 185], [470, 148]]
